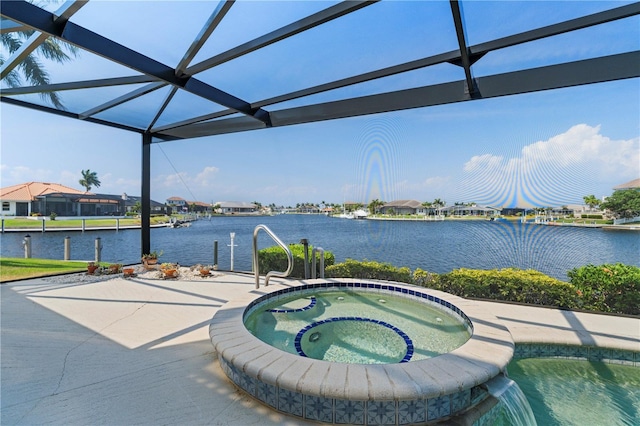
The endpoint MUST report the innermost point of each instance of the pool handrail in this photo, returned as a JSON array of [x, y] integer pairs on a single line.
[[256, 267], [313, 267]]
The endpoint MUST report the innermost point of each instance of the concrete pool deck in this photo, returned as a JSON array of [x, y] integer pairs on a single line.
[[137, 351]]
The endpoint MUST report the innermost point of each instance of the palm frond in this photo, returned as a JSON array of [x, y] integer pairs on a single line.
[[31, 68], [12, 79], [55, 50], [10, 41], [37, 75]]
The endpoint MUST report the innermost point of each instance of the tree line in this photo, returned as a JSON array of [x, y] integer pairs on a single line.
[[624, 203]]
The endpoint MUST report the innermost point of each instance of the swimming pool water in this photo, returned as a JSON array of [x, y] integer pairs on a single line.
[[575, 392]]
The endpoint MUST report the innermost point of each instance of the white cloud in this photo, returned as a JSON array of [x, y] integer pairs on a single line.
[[480, 162], [20, 174], [204, 178], [556, 171], [70, 179], [197, 186], [583, 144], [436, 182], [433, 183]]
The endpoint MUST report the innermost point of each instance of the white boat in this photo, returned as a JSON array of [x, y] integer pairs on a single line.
[[360, 214], [345, 216]]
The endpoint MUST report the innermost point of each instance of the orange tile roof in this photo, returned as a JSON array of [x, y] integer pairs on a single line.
[[28, 191]]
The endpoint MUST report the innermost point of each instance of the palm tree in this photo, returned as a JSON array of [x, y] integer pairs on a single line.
[[427, 205], [375, 205], [438, 204], [31, 70], [591, 201], [89, 179]]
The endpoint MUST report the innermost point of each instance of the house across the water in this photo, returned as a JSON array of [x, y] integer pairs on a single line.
[[45, 198], [236, 207]]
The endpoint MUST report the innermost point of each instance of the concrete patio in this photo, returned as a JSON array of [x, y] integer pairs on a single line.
[[137, 351]]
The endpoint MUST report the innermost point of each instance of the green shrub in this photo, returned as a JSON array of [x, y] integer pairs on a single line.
[[608, 287], [369, 270], [509, 284], [591, 216], [424, 278], [605, 288], [275, 259]]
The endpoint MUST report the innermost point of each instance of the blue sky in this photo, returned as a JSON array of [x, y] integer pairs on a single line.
[[546, 148]]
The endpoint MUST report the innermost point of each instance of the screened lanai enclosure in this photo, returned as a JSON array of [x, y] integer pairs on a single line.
[[169, 70]]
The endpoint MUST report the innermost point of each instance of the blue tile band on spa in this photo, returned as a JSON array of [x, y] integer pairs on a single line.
[[402, 291], [286, 311], [585, 353], [314, 337]]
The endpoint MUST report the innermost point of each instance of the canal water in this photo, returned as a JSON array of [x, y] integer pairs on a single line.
[[432, 246]]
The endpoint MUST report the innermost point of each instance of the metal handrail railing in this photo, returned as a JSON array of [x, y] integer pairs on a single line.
[[256, 267], [313, 262]]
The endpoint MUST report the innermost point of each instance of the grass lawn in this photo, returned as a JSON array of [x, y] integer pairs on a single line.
[[20, 223], [12, 268]]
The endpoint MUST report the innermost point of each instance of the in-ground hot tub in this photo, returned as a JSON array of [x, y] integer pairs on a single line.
[[357, 325], [406, 384]]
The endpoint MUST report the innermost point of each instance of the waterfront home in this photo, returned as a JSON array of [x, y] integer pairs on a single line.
[[200, 207], [633, 184], [44, 199], [178, 204], [30, 198], [577, 210], [515, 211], [308, 208], [471, 210], [131, 201], [401, 207], [235, 207]]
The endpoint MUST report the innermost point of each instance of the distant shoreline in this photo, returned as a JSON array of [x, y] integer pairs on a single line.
[[625, 227], [88, 227]]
